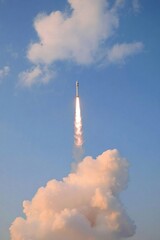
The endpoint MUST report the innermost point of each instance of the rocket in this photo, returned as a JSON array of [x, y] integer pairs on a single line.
[[77, 89]]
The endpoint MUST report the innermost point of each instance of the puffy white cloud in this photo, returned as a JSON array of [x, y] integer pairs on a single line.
[[76, 37], [80, 36], [4, 71], [119, 52], [85, 205]]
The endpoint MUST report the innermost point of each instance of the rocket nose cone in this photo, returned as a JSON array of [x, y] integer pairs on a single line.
[[77, 86]]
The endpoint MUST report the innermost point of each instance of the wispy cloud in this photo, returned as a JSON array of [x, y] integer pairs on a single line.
[[119, 3], [4, 72], [119, 52], [136, 5], [35, 75], [12, 52]]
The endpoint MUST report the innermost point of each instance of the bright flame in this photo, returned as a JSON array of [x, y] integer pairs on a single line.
[[78, 134]]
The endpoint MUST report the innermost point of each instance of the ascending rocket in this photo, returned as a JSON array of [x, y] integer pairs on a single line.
[[77, 89]]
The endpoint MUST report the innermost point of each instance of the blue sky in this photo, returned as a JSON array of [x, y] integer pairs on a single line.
[[118, 71]]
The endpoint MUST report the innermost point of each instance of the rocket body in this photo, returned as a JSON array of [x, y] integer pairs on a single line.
[[77, 89]]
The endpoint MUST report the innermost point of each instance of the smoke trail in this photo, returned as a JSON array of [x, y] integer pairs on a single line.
[[84, 205], [78, 133], [78, 124]]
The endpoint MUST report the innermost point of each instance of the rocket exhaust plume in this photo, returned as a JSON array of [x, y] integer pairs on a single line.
[[78, 133], [84, 205], [78, 124]]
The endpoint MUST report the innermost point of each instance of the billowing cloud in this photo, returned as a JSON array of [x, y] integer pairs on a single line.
[[119, 52], [4, 72], [80, 35], [84, 205], [77, 36]]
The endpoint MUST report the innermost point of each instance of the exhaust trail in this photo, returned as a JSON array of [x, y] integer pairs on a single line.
[[78, 132], [78, 125], [83, 205]]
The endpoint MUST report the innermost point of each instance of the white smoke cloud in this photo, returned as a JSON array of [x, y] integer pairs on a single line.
[[80, 36], [85, 205], [119, 52]]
